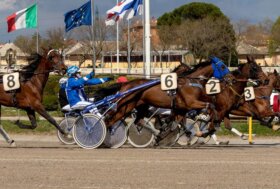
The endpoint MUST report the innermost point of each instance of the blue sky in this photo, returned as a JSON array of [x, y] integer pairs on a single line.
[[51, 12]]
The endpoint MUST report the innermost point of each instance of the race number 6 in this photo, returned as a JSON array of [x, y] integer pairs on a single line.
[[168, 81], [249, 93], [11, 81]]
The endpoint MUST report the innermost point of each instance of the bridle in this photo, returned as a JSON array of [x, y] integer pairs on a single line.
[[50, 58]]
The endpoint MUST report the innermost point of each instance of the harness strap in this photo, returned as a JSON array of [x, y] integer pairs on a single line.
[[264, 97], [14, 99], [196, 85], [236, 93]]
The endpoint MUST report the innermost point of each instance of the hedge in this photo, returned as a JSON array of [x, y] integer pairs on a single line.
[[50, 98]]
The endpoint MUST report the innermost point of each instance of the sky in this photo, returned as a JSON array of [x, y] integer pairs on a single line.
[[51, 12]]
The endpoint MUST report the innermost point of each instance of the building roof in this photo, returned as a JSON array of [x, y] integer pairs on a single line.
[[244, 49], [78, 48], [7, 46]]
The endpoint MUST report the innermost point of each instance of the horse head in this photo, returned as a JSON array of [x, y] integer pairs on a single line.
[[56, 61], [220, 70], [274, 79], [254, 71]]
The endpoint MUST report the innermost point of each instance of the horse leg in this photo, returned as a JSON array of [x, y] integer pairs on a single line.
[[5, 135], [41, 110], [142, 111], [206, 108], [32, 118], [233, 130], [121, 111]]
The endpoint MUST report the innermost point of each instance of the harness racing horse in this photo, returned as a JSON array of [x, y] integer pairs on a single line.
[[232, 96], [192, 81], [187, 97], [33, 79], [259, 108]]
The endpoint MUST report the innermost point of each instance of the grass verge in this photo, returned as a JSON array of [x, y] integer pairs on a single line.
[[45, 127]]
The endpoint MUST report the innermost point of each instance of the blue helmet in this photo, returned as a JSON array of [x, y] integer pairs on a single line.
[[72, 70]]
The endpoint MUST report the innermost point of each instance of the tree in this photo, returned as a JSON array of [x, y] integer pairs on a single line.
[[23, 42], [55, 38], [136, 36], [207, 37], [274, 41], [202, 28], [253, 34], [100, 32], [191, 11], [167, 36]]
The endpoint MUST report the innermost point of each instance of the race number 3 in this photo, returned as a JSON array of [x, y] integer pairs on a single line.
[[168, 81], [213, 86], [249, 93], [11, 81]]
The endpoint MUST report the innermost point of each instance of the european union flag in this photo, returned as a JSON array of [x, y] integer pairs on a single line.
[[78, 17]]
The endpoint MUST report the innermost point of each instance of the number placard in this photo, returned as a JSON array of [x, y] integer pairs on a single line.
[[11, 81], [168, 81], [249, 93], [213, 86]]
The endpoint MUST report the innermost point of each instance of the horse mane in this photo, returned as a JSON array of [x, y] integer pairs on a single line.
[[235, 72], [202, 64], [178, 67], [33, 62]]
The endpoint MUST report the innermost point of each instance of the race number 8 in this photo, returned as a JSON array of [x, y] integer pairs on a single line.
[[249, 93], [169, 81], [11, 81]]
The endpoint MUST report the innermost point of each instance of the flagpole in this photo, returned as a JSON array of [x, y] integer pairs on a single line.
[[93, 38], [128, 45], [147, 40], [37, 30], [118, 50]]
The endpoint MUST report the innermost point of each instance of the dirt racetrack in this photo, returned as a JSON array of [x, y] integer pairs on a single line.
[[42, 162]]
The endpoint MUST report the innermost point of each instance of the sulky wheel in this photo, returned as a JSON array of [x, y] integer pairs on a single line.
[[89, 131], [67, 125], [116, 135], [189, 138], [140, 136]]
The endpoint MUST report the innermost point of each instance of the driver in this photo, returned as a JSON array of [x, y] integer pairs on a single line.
[[75, 87]]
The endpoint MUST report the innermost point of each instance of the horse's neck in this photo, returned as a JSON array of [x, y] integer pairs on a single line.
[[206, 71], [41, 76], [271, 84], [240, 84]]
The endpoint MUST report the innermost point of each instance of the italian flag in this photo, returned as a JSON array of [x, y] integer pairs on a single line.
[[25, 18]]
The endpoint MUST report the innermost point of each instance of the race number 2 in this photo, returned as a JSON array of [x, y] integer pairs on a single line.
[[168, 81], [11, 81], [213, 86], [249, 93]]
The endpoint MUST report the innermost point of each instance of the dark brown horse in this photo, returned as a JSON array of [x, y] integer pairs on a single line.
[[258, 108], [156, 97], [232, 91], [33, 79], [190, 93]]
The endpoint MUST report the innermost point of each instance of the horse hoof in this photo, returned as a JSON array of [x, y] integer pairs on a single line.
[[244, 137], [13, 144], [222, 143], [276, 127]]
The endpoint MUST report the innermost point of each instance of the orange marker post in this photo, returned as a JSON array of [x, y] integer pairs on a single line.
[[250, 130]]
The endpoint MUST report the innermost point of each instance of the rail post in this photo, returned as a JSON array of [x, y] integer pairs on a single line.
[[250, 130]]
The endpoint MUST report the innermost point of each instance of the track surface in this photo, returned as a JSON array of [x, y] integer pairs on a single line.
[[42, 162]]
